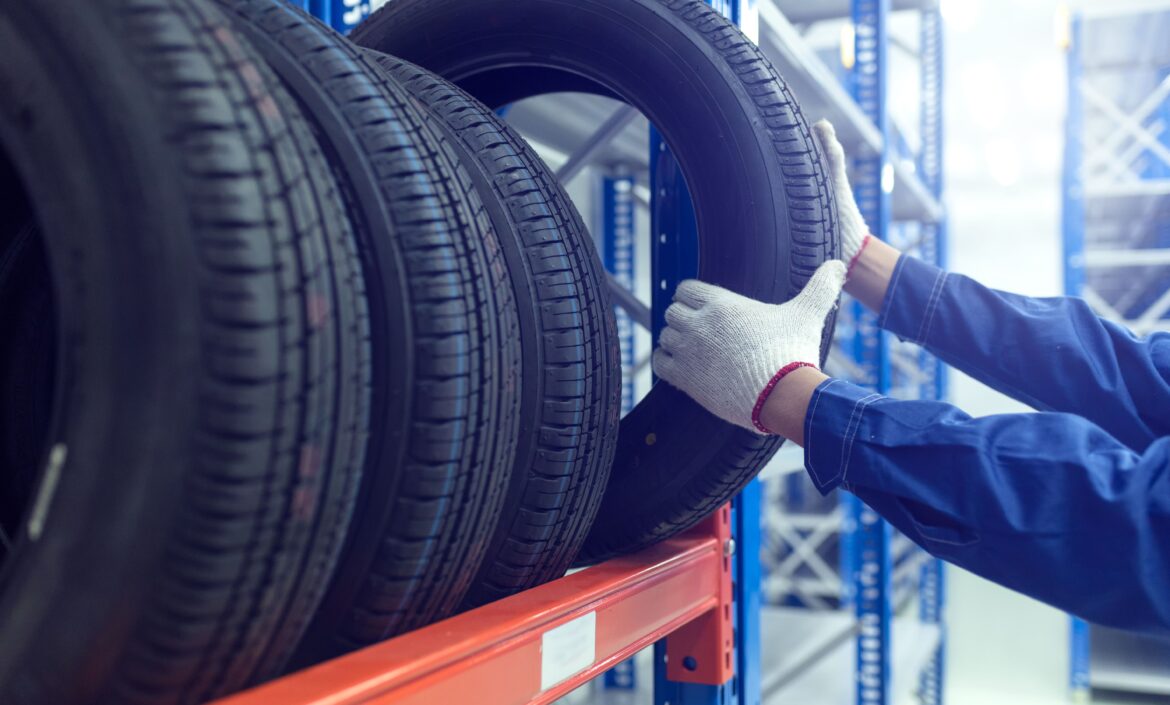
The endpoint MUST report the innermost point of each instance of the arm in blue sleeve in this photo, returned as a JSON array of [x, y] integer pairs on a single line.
[[1053, 354], [1047, 504]]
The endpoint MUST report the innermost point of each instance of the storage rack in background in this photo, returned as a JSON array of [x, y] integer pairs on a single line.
[[851, 593], [1116, 231]]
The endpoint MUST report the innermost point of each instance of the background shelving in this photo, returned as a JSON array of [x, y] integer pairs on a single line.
[[872, 602], [1116, 227]]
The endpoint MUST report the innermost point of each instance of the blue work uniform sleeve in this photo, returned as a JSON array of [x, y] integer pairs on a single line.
[[1053, 354], [1047, 504]]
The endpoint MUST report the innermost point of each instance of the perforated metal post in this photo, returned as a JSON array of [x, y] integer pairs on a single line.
[[872, 182], [1073, 240], [674, 247], [342, 15], [617, 235], [617, 239], [932, 581]]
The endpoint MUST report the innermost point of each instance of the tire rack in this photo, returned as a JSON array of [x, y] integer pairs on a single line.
[[899, 192], [1116, 200], [541, 644]]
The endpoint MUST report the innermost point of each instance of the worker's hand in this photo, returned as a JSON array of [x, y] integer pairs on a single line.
[[728, 352], [854, 232]]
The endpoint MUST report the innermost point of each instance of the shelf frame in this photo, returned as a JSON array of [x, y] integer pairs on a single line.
[[499, 654]]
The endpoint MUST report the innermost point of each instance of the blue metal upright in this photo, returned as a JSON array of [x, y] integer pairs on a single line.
[[617, 240], [872, 185], [748, 598], [1072, 186], [675, 257], [932, 581], [674, 247], [1073, 242], [617, 247], [341, 15]]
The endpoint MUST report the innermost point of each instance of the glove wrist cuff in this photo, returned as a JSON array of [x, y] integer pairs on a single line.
[[853, 262], [767, 391]]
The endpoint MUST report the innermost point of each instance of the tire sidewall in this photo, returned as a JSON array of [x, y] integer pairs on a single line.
[[84, 135]]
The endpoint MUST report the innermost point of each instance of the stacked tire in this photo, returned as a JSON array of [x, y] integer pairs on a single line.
[[304, 347]]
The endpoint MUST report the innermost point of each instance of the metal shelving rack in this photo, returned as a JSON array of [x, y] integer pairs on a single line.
[[1116, 231], [899, 191], [693, 599]]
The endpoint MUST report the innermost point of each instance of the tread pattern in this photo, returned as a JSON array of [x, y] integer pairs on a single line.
[[435, 486], [284, 372], [664, 479], [812, 218], [571, 358]]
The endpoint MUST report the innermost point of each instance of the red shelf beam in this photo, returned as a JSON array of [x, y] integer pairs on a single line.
[[534, 647]]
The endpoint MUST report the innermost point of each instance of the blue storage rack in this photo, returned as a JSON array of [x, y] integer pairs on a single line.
[[1116, 196], [899, 192]]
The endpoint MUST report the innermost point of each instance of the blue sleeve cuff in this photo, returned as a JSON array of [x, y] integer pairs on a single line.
[[831, 424], [912, 299]]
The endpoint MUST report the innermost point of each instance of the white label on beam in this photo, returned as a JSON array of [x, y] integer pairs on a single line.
[[567, 650]]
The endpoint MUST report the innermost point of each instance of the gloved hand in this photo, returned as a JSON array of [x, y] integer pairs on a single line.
[[854, 231], [728, 352]]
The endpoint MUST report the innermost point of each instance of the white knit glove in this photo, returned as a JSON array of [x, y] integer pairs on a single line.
[[727, 351], [854, 231]]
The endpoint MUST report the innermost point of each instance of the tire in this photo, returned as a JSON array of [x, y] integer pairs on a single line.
[[210, 386], [445, 339], [571, 390], [751, 164]]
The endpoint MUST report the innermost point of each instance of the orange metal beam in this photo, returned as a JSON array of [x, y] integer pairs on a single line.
[[534, 647]]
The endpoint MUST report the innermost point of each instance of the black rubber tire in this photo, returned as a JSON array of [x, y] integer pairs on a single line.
[[445, 339], [765, 214], [212, 377], [572, 385]]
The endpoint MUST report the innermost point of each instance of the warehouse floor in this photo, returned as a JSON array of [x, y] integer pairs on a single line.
[[1003, 647]]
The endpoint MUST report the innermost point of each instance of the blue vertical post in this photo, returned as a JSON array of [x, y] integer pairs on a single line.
[[872, 186], [1073, 237], [673, 232], [617, 244], [748, 585], [617, 231], [931, 602], [342, 15], [932, 581], [847, 551], [675, 257], [1079, 658], [1073, 208], [318, 8]]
